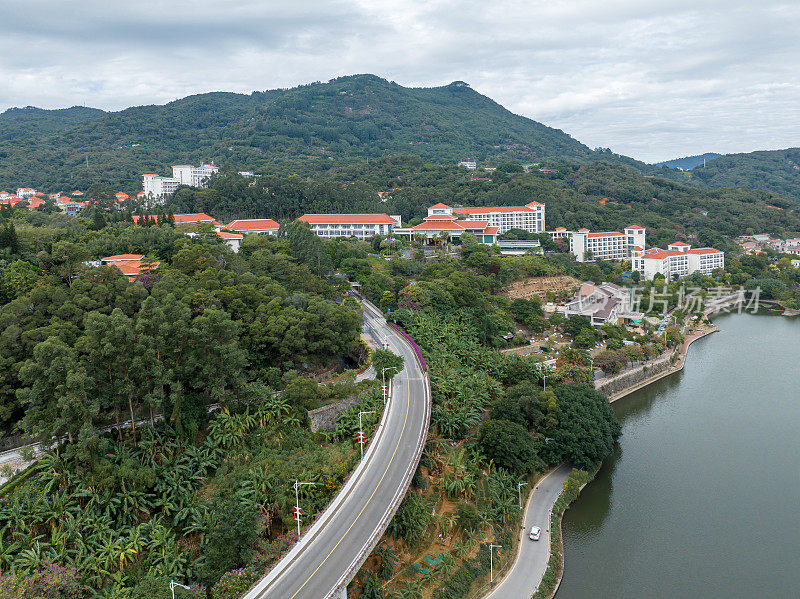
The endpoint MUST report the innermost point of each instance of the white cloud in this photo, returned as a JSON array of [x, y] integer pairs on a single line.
[[654, 80]]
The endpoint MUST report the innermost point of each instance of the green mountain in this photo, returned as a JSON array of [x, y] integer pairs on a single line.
[[361, 116], [689, 162], [30, 122], [777, 171]]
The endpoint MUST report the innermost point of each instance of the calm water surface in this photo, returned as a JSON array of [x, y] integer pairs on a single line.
[[702, 498]]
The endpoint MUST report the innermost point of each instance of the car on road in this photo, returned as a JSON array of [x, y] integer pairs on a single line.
[[535, 533]]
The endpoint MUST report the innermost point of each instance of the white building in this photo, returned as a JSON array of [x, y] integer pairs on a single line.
[[25, 192], [361, 226], [468, 164], [678, 260], [159, 188], [259, 226], [604, 303], [194, 176], [611, 245], [529, 217]]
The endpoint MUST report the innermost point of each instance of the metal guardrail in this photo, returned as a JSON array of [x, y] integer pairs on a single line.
[[345, 579]]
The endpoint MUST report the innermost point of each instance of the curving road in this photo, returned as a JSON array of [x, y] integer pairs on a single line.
[[531, 563], [330, 553]]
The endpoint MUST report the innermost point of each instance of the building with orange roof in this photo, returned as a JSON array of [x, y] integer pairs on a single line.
[[131, 265], [259, 226], [25, 192], [678, 260], [121, 196], [608, 245], [361, 226], [529, 217]]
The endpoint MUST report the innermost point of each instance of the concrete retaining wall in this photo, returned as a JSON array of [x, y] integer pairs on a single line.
[[324, 418]]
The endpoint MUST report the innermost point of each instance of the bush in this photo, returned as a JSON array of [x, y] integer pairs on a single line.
[[49, 582]]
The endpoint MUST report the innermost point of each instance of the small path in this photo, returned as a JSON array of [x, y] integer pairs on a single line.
[[529, 567]]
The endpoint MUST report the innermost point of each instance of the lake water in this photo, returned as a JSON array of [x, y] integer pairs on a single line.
[[702, 497]]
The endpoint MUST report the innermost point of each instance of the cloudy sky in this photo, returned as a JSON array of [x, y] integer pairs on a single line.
[[651, 79]]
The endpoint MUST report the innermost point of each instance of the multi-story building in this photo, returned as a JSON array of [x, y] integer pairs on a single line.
[[25, 192], [259, 226], [194, 176], [159, 188], [438, 227], [529, 217], [361, 226], [611, 245], [678, 260]]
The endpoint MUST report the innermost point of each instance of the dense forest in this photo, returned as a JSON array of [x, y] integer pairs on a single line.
[[776, 171], [285, 130]]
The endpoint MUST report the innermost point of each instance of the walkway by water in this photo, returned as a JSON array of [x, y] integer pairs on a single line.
[[700, 500]]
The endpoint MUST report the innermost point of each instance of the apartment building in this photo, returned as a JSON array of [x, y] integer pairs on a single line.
[[610, 245], [361, 226], [678, 260], [529, 217]]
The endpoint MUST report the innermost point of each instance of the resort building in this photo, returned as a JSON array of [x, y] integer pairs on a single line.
[[604, 303], [259, 226], [587, 246], [361, 226], [131, 265], [160, 188], [529, 217], [25, 192], [436, 228], [678, 260]]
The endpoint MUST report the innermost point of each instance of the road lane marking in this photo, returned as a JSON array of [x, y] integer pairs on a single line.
[[399, 440]]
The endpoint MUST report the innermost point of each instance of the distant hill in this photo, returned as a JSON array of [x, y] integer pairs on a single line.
[[777, 171], [355, 117], [689, 162], [31, 122]]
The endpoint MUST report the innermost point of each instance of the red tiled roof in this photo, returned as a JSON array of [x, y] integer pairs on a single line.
[[474, 224], [252, 224], [583, 230], [447, 225], [132, 268], [119, 257], [634, 227], [680, 243], [491, 230], [534, 203], [487, 210], [637, 248], [440, 205], [226, 235], [561, 228], [358, 219], [441, 217], [704, 251], [607, 234]]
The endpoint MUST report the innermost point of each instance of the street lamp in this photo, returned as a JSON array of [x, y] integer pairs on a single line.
[[384, 389], [519, 493], [491, 564], [297, 513], [173, 584], [361, 431], [544, 381]]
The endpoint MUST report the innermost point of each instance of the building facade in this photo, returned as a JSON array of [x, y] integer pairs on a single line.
[[678, 260], [361, 226], [529, 217], [604, 303], [159, 188], [612, 245]]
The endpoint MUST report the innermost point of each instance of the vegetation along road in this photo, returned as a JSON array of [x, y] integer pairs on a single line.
[[334, 548], [531, 563]]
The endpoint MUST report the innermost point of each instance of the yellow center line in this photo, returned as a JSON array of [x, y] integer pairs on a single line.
[[408, 406]]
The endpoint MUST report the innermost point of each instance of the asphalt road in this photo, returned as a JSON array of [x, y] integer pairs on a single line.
[[336, 543], [531, 563]]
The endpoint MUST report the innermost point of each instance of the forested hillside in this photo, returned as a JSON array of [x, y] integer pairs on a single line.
[[361, 116], [777, 171], [29, 122], [689, 162]]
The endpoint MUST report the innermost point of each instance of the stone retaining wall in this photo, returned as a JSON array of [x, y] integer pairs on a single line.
[[324, 418], [633, 377]]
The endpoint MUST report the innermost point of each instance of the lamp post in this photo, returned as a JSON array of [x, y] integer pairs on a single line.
[[361, 431], [544, 381], [297, 513], [173, 584], [491, 564], [519, 493], [384, 389]]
